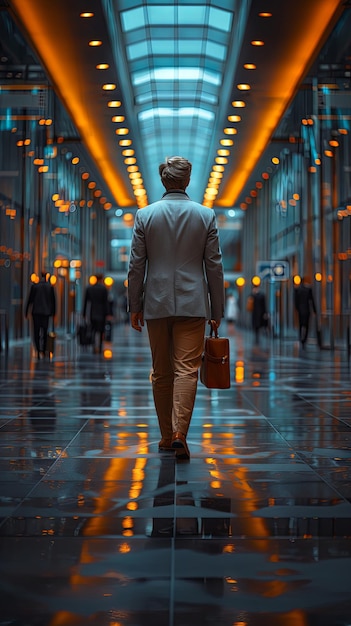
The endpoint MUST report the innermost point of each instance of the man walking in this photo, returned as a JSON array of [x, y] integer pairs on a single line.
[[304, 304], [175, 283], [95, 310], [42, 304]]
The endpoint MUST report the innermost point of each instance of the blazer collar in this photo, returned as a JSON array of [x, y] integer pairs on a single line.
[[171, 191]]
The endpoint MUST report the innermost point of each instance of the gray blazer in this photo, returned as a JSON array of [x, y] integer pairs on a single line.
[[175, 265]]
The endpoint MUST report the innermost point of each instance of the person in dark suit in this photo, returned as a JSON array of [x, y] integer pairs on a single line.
[[42, 304], [304, 305], [175, 283], [259, 316], [96, 309]]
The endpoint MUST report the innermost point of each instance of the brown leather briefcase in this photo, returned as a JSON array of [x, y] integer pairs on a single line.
[[215, 365]]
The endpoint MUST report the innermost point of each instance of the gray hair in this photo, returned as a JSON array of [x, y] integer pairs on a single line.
[[175, 172]]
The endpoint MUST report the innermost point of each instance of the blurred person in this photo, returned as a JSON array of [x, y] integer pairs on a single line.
[[41, 303], [304, 305], [231, 309], [96, 310], [257, 307], [175, 283]]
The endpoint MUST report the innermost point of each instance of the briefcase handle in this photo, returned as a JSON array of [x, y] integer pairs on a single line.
[[214, 328]]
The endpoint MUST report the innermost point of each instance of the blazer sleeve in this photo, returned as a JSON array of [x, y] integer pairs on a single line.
[[137, 267], [214, 271]]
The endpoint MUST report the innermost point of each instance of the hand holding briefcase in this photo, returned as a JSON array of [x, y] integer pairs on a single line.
[[215, 365]]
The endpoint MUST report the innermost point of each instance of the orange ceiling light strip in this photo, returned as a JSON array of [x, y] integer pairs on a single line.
[[291, 67], [45, 25]]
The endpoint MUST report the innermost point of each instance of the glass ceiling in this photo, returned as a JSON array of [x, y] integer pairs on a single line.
[[176, 56]]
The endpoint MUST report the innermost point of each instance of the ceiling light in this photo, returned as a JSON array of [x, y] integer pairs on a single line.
[[176, 74], [265, 14], [238, 104], [234, 118], [226, 142], [114, 103], [172, 113], [230, 131], [257, 42], [102, 66], [125, 142], [223, 152], [94, 43], [87, 14], [128, 217], [221, 160], [118, 118], [122, 131], [243, 87], [109, 87], [249, 66]]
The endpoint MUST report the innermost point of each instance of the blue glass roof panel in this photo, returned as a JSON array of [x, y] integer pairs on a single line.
[[176, 54]]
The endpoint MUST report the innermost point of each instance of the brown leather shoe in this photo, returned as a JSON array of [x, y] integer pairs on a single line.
[[165, 445], [180, 445]]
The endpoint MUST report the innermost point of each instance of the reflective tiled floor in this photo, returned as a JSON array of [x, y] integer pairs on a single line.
[[99, 528]]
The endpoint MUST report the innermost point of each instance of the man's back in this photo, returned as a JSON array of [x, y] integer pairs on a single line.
[[96, 298], [178, 236], [304, 300], [42, 299]]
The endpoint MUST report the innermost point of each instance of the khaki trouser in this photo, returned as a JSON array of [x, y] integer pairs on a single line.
[[176, 346]]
